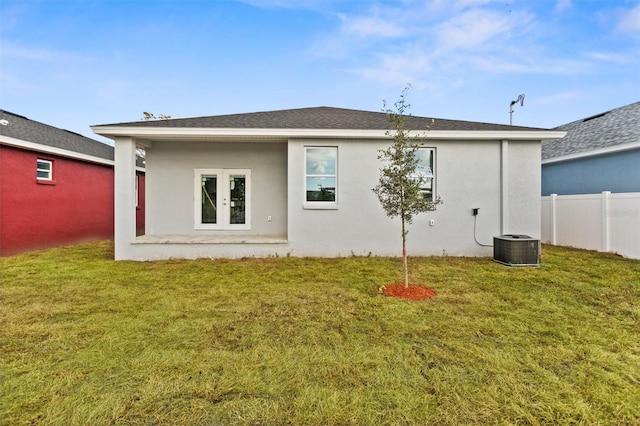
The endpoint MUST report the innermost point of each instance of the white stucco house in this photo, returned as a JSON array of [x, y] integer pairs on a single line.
[[298, 182]]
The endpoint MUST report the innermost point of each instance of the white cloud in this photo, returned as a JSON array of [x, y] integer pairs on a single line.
[[286, 4], [630, 21], [444, 32], [370, 27], [15, 84], [463, 4], [472, 28], [458, 5], [409, 66], [442, 45], [563, 5], [549, 66], [612, 57], [412, 44], [38, 70], [559, 98], [32, 54], [361, 32]]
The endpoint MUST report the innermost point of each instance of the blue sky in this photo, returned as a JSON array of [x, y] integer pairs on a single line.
[[72, 64]]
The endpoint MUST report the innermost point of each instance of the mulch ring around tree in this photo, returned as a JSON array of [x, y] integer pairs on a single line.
[[413, 292]]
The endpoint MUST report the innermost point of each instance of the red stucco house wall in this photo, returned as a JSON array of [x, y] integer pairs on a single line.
[[140, 213], [76, 206], [56, 186]]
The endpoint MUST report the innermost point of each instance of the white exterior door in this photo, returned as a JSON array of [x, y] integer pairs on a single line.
[[222, 199]]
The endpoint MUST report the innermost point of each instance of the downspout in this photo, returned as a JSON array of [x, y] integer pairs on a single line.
[[504, 185]]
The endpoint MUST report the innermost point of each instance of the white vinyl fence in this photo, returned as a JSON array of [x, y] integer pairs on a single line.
[[603, 222]]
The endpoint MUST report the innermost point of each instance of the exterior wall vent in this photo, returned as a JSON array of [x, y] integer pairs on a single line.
[[516, 250]]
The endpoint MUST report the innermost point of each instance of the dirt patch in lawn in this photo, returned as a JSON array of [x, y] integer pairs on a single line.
[[412, 292]]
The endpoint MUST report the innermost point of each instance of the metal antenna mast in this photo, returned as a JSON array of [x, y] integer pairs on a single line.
[[521, 101]]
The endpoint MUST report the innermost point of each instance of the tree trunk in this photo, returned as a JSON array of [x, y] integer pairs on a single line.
[[404, 253]]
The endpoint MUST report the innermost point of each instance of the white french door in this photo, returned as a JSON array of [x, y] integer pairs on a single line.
[[222, 199]]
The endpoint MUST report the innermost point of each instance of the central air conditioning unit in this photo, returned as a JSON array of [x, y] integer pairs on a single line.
[[516, 250]]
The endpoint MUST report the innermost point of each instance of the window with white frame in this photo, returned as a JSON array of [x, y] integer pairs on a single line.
[[426, 171], [44, 169], [321, 175], [222, 199]]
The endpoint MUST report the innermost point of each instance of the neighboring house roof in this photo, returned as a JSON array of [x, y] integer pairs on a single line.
[[318, 122], [20, 131], [615, 130]]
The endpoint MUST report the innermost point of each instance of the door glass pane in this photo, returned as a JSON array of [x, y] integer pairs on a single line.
[[209, 200], [237, 201]]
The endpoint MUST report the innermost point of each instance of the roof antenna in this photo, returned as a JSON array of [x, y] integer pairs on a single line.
[[521, 100]]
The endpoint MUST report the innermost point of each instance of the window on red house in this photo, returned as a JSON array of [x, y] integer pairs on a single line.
[[44, 169]]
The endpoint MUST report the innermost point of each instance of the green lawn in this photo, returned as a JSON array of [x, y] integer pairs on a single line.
[[86, 340]]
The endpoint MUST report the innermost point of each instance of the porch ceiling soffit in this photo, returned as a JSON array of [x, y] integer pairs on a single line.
[[145, 135]]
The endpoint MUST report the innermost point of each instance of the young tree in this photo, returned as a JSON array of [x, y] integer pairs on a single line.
[[399, 187]]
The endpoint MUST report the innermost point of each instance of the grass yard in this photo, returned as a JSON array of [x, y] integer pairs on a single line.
[[86, 340]]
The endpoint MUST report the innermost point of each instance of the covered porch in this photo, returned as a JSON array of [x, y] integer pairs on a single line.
[[176, 215]]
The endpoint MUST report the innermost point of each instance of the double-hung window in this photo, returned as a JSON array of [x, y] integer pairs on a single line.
[[321, 176], [44, 169], [426, 171]]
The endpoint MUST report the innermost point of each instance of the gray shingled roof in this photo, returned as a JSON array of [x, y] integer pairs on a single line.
[[22, 128], [315, 118], [615, 127]]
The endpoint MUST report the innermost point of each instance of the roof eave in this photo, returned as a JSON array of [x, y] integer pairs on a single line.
[[46, 149], [182, 133], [592, 153]]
